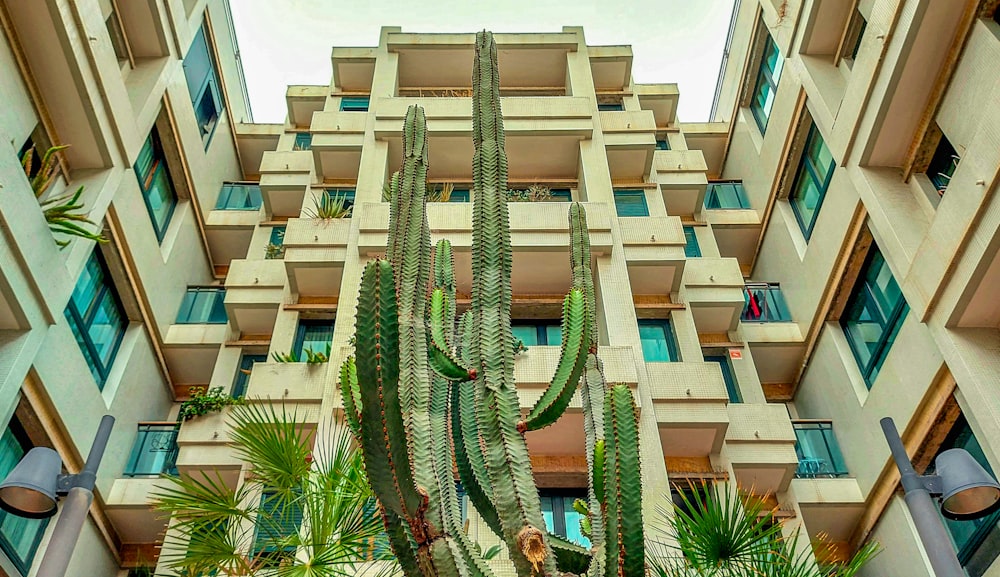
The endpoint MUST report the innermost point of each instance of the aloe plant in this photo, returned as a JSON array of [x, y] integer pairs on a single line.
[[423, 398], [328, 206], [63, 213]]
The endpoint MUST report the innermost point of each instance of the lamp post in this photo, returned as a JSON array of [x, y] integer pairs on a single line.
[[967, 492], [32, 488]]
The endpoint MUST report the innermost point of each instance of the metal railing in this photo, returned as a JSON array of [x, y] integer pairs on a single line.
[[726, 195], [155, 450], [763, 303], [818, 451], [239, 197], [203, 306]]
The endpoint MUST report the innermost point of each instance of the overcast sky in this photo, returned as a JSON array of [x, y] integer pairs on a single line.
[[286, 42]]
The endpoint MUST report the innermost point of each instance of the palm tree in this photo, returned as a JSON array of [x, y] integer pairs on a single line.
[[717, 534], [304, 510]]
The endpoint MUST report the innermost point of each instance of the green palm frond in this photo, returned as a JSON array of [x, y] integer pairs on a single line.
[[274, 444], [327, 205]]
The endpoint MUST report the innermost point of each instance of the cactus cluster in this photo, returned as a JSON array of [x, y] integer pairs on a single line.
[[424, 399]]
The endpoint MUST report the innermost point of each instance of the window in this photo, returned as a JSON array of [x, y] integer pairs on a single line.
[[657, 338], [996, 15], [764, 304], [560, 516], [303, 141], [354, 104], [727, 375], [943, 164], [347, 194], [874, 313], [315, 335], [766, 84], [36, 156], [203, 84], [726, 195], [203, 306], [239, 197], [243, 374], [855, 33], [460, 195], [818, 450], [19, 537], [560, 195], [280, 517], [276, 243], [154, 452], [691, 248], [96, 317], [611, 107], [662, 144], [812, 180], [631, 203], [117, 35], [154, 180], [538, 333], [975, 541]]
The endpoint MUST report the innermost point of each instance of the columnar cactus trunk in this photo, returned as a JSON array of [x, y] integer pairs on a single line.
[[423, 400]]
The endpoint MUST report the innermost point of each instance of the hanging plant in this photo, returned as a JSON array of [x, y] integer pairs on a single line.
[[63, 213], [203, 402]]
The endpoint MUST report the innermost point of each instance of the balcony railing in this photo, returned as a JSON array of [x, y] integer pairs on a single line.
[[764, 304], [155, 450], [818, 451], [239, 197], [203, 306], [726, 195]]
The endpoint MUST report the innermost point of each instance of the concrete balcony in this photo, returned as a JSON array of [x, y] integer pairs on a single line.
[[689, 400], [191, 351], [253, 140], [314, 255], [710, 138], [760, 446], [629, 139], [337, 139], [831, 508], [682, 180], [713, 289], [203, 444], [284, 180], [654, 249], [611, 67], [303, 101], [661, 100], [129, 502], [297, 386], [229, 233], [254, 291]]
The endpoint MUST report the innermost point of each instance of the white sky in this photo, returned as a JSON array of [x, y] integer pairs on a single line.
[[286, 42]]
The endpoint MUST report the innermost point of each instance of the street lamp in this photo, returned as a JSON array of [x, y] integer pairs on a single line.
[[32, 488], [967, 492]]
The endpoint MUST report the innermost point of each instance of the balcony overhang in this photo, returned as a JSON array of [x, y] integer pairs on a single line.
[[654, 251], [831, 508], [760, 446], [778, 350], [253, 140], [129, 506], [353, 68], [254, 291], [315, 251], [191, 351], [713, 289], [611, 67], [736, 232], [229, 233], [629, 140], [710, 138], [285, 178], [682, 180], [661, 100], [689, 400], [303, 101]]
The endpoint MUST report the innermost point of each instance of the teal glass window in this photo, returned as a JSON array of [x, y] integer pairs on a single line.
[[560, 195], [154, 452], [203, 306], [354, 104], [203, 84], [764, 303], [460, 195], [560, 517], [611, 107], [243, 374], [657, 338], [345, 193], [275, 243], [726, 196], [155, 183], [766, 83], [96, 317], [280, 517], [974, 540], [19, 537], [875, 311], [662, 144], [818, 450], [313, 334], [691, 247], [538, 333], [732, 387], [631, 203], [942, 166], [812, 180], [303, 141], [239, 197]]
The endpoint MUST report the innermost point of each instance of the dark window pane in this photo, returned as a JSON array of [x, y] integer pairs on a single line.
[[19, 537], [354, 104]]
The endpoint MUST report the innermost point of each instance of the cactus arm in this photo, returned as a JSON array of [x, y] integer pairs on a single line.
[[469, 456], [570, 557], [447, 367], [351, 395], [444, 279], [572, 359], [623, 485], [401, 541], [382, 434], [441, 358]]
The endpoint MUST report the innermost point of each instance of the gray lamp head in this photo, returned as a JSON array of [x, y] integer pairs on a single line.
[[30, 489], [968, 490]]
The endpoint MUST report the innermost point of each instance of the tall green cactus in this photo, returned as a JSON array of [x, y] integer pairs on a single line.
[[423, 400]]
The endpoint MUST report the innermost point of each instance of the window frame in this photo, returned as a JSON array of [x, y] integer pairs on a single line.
[[82, 320], [670, 339], [23, 565], [630, 193], [890, 325], [146, 178], [303, 141], [692, 249], [728, 376], [856, 27], [250, 190], [739, 192], [942, 166], [541, 327], [765, 77], [188, 302], [210, 85], [354, 103], [298, 345], [807, 169], [611, 106], [561, 500]]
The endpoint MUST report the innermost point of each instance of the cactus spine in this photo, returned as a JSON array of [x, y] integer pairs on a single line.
[[422, 399]]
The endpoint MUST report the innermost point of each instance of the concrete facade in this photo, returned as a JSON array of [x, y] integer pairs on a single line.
[[688, 222]]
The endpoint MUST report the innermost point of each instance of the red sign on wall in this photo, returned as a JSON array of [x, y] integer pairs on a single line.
[[736, 354]]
